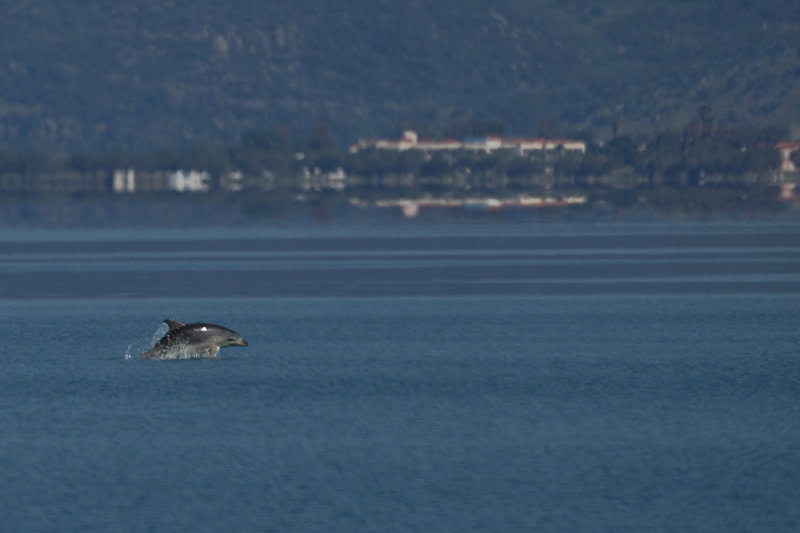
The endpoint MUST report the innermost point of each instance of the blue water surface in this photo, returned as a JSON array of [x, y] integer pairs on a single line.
[[659, 395]]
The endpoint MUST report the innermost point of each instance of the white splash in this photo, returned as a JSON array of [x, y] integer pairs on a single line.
[[137, 349], [182, 351]]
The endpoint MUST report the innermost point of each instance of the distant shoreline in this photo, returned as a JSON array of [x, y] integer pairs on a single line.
[[210, 210]]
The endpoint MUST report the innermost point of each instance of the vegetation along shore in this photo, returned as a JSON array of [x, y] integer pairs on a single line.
[[701, 168]]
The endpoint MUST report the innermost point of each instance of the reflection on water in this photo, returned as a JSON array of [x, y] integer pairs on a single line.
[[449, 261]]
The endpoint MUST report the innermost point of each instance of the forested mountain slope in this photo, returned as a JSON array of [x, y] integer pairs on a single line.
[[106, 74]]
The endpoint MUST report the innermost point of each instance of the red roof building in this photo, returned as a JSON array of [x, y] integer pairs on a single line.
[[786, 149]]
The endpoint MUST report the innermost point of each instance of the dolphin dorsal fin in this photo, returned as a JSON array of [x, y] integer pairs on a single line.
[[173, 324]]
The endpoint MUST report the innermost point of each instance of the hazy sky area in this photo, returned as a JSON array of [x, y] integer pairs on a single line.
[[109, 74]]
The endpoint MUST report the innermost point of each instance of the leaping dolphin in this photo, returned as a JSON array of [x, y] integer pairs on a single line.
[[184, 341]]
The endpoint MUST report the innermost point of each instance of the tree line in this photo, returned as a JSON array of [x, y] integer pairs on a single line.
[[702, 153]]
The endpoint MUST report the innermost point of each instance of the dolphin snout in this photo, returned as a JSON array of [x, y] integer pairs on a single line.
[[241, 342]]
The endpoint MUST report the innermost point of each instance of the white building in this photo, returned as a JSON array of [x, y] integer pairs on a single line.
[[410, 141], [232, 181], [124, 181], [189, 181], [315, 179]]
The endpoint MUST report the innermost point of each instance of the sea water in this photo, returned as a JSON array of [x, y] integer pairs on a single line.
[[494, 377]]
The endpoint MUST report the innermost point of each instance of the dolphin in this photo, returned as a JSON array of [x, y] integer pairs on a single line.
[[184, 341]]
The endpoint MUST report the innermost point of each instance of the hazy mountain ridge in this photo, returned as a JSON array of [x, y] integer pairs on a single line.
[[105, 74]]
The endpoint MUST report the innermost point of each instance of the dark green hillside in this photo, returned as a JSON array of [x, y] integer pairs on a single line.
[[103, 73]]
